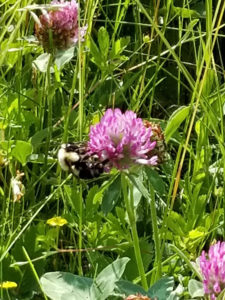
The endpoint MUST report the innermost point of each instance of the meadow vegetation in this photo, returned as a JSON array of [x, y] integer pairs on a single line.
[[134, 234]]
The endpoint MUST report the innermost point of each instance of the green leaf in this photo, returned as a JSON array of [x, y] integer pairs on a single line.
[[175, 120], [177, 223], [195, 288], [119, 46], [39, 136], [94, 197], [96, 54], [137, 196], [147, 251], [139, 185], [29, 241], [221, 295], [184, 12], [21, 151], [12, 54], [156, 181], [39, 158], [62, 285], [63, 57], [72, 196], [209, 83], [104, 284], [103, 41], [111, 195], [162, 289], [42, 61], [128, 288]]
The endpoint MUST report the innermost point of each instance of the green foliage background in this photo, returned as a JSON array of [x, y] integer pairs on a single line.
[[162, 59]]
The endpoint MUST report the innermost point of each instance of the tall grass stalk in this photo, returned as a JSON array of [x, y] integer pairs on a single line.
[[156, 237], [198, 93], [34, 271]]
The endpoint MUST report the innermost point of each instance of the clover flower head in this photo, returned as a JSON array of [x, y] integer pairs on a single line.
[[61, 23], [212, 266], [122, 139]]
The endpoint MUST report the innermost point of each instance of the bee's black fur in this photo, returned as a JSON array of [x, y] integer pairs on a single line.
[[87, 166]]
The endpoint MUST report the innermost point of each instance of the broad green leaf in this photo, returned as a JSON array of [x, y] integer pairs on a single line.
[[104, 284], [62, 285], [103, 41], [63, 57], [162, 289], [195, 288], [111, 195], [21, 151], [177, 293], [138, 183], [156, 181], [39, 136], [175, 120], [41, 62], [127, 288]]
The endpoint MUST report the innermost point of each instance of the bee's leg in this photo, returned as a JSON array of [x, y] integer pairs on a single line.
[[73, 170]]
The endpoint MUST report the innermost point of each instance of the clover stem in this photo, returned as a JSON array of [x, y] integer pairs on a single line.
[[129, 203]]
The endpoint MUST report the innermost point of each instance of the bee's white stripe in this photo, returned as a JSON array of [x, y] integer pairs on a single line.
[[64, 156]]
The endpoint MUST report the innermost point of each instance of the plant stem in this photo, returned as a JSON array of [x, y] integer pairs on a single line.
[[34, 271], [131, 215], [187, 261], [80, 242], [7, 292], [155, 235], [48, 96], [67, 116]]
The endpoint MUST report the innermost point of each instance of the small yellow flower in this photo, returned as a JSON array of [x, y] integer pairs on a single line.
[[57, 221], [8, 285]]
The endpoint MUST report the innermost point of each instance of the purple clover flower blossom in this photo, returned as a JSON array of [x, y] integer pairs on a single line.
[[122, 139], [213, 269], [63, 23]]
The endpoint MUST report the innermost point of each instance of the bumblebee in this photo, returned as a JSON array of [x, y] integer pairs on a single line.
[[75, 158], [158, 137]]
